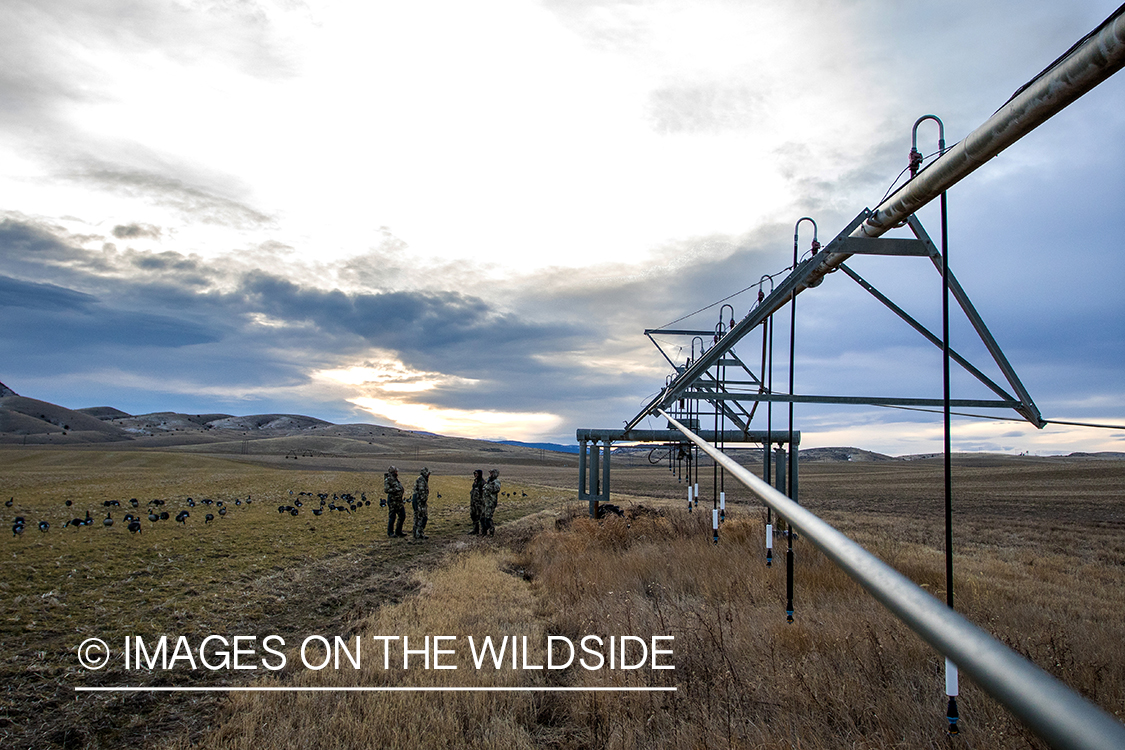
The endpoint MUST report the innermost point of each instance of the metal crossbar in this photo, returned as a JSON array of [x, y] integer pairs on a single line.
[[1052, 710]]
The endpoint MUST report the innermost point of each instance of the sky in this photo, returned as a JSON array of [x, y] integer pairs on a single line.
[[461, 217]]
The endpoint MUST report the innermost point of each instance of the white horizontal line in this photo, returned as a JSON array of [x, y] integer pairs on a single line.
[[130, 689]]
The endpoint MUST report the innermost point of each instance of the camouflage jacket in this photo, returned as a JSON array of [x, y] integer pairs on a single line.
[[491, 492], [393, 488], [422, 490]]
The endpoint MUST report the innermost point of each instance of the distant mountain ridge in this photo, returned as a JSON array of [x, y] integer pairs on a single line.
[[556, 447], [28, 420]]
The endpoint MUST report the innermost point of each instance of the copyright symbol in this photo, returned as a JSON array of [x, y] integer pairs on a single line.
[[93, 653]]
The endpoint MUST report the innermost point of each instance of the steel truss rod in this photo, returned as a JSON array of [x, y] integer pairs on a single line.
[[1027, 407], [859, 400], [926, 333], [1048, 707], [678, 332], [773, 302], [726, 407]]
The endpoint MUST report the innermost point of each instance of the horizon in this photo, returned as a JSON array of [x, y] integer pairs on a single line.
[[542, 443]]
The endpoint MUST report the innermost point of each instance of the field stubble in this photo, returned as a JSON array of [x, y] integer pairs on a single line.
[[1040, 562], [254, 571]]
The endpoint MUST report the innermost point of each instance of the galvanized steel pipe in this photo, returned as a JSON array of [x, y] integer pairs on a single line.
[[1051, 709], [1090, 63]]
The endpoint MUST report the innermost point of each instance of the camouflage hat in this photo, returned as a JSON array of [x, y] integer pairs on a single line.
[[425, 472], [392, 470], [493, 472]]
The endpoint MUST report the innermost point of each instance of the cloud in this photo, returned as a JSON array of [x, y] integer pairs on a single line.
[[129, 231], [196, 203], [704, 108], [475, 238]]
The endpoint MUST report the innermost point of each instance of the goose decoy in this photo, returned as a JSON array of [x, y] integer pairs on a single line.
[[9, 503], [153, 517], [209, 518], [163, 515], [107, 521], [182, 516], [134, 502], [44, 526], [222, 511], [135, 526], [69, 503], [17, 528]]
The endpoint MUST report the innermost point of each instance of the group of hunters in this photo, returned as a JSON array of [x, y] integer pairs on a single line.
[[482, 502]]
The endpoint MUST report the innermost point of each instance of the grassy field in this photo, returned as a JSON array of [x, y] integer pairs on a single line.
[[1040, 562], [254, 571]]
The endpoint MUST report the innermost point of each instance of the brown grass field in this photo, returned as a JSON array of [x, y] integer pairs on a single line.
[[1040, 562]]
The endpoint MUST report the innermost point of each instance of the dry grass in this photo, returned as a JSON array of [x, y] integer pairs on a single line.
[[471, 596], [252, 572], [1048, 581], [845, 674]]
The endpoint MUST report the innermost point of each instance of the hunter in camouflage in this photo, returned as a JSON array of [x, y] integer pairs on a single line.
[[491, 497], [419, 500], [476, 500], [396, 511]]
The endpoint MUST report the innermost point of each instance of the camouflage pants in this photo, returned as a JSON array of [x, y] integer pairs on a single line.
[[421, 516], [396, 512]]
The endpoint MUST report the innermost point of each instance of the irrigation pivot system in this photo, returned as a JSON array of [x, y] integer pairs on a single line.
[[715, 388]]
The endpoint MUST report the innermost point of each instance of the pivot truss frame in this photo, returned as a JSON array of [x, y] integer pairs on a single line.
[[704, 379]]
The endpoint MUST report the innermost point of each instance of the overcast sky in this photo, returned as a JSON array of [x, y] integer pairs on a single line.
[[460, 217]]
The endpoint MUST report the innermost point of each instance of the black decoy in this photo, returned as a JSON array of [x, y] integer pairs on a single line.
[[182, 516], [107, 521], [44, 526], [135, 526], [209, 518]]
